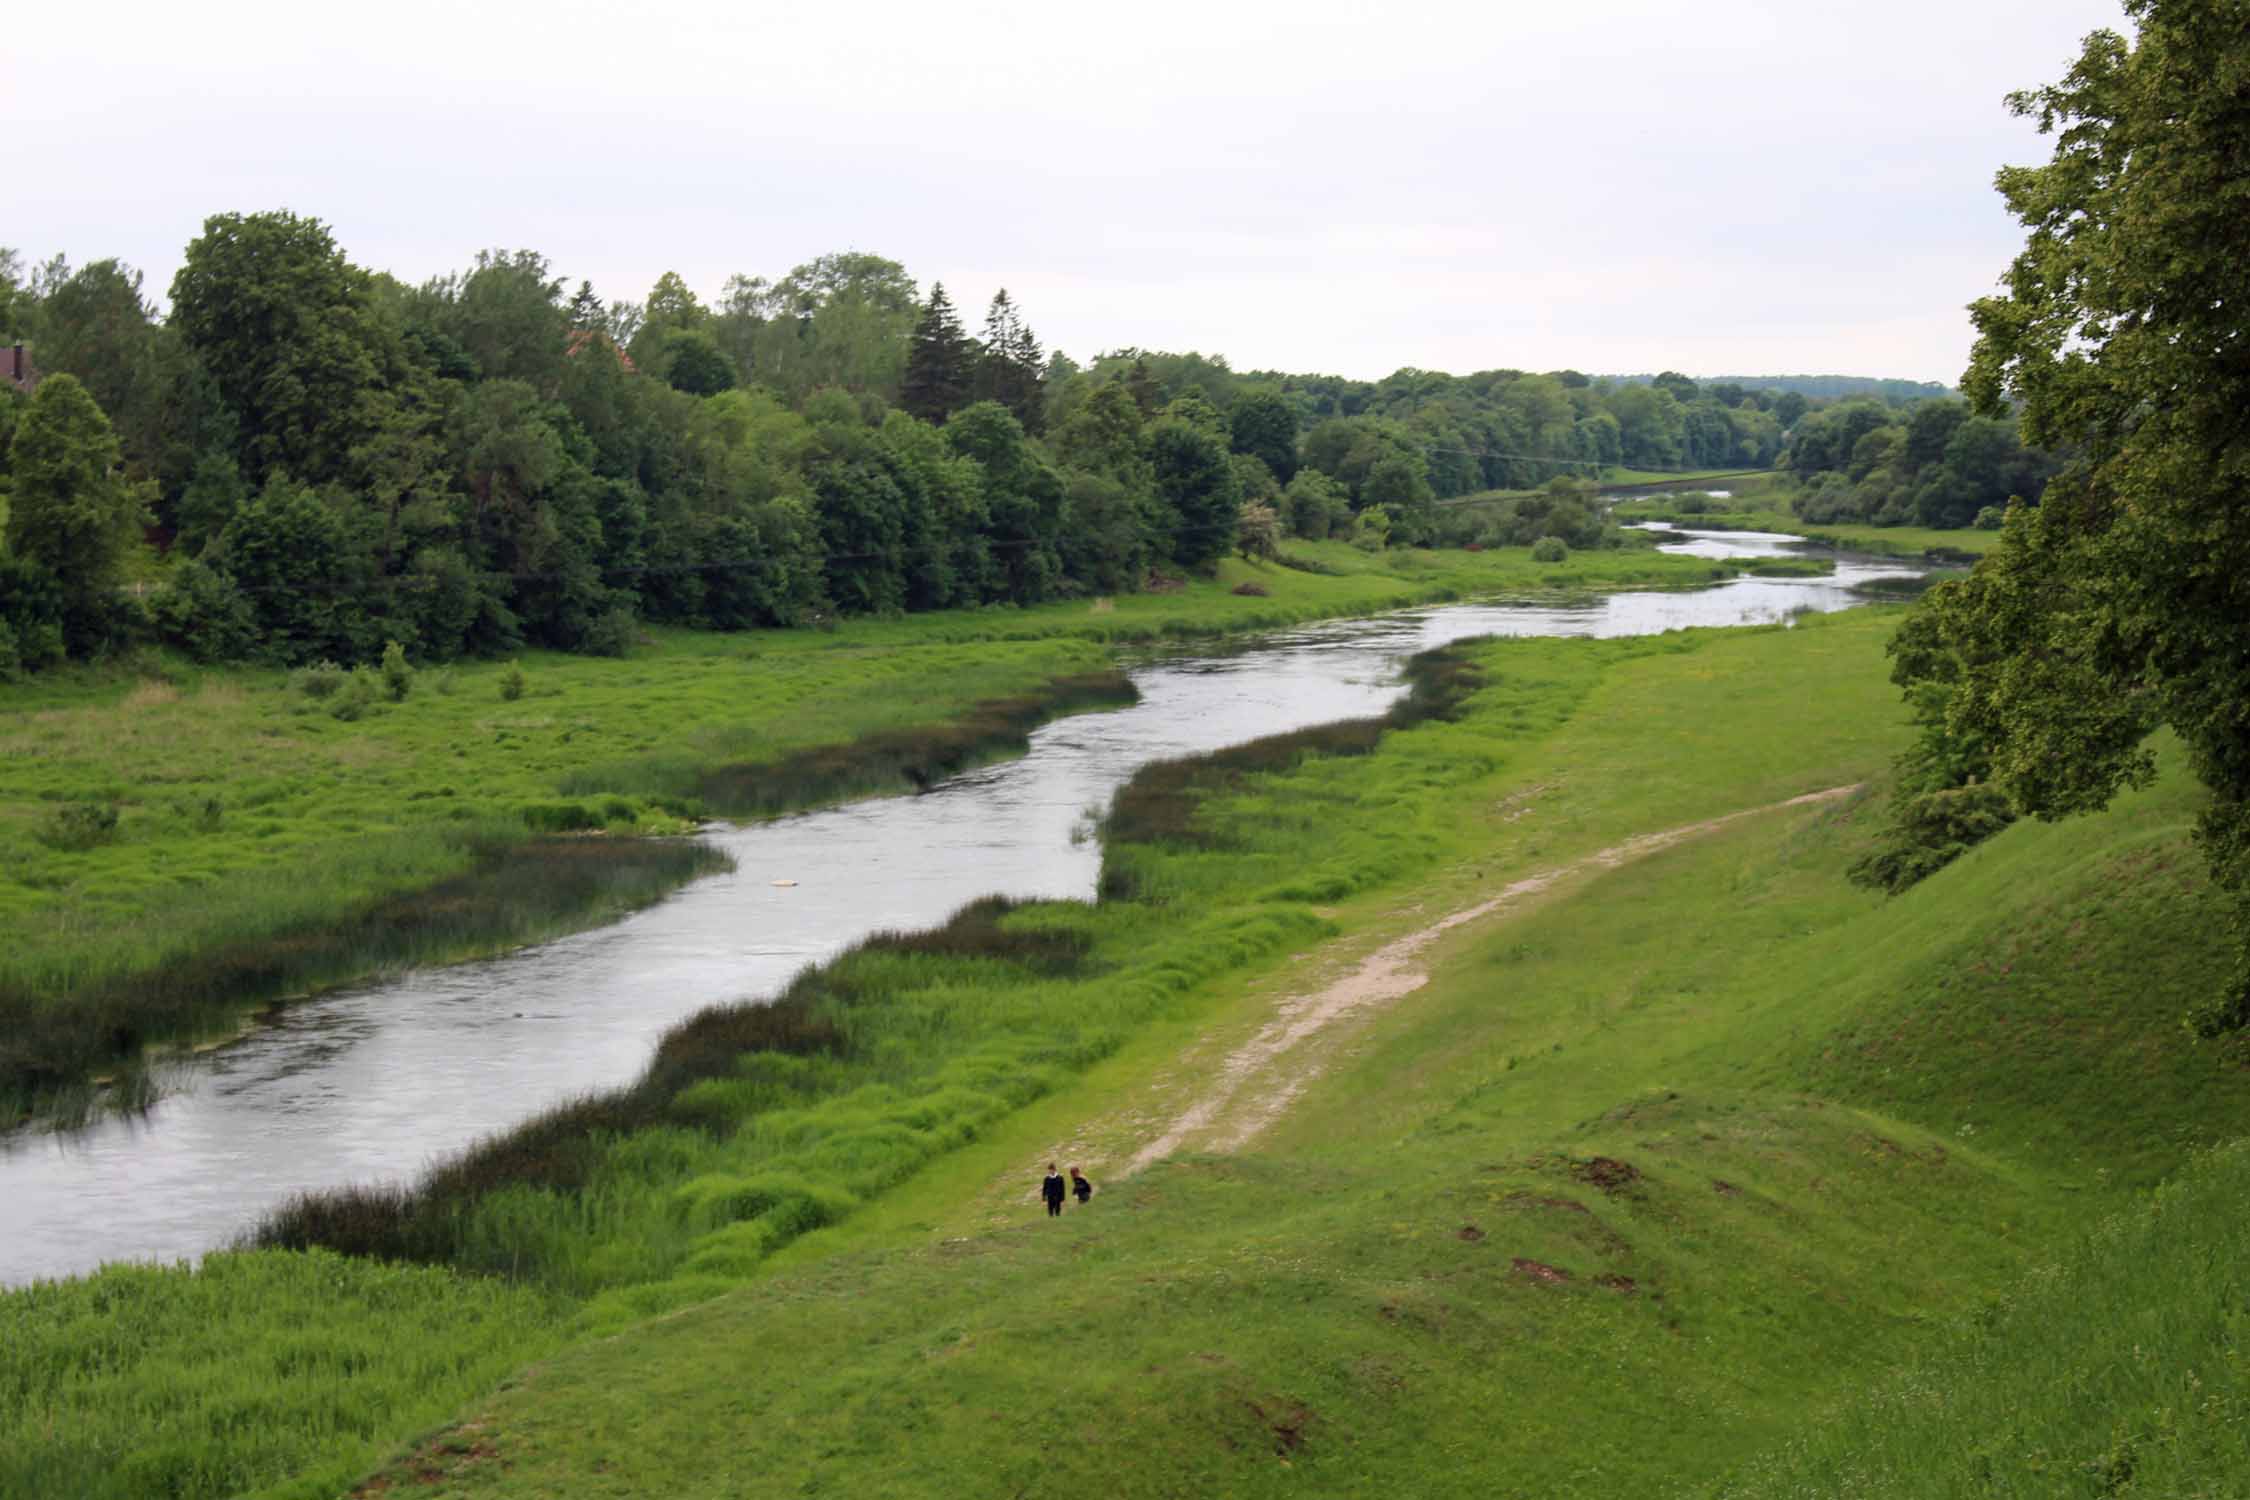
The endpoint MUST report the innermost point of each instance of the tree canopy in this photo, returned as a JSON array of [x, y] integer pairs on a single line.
[[2123, 335]]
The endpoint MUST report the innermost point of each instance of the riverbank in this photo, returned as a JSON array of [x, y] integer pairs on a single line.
[[1766, 508], [251, 819], [1696, 1146], [945, 1039], [1688, 1168]]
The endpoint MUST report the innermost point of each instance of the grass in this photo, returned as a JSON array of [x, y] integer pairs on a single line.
[[1686, 1162], [154, 815], [144, 1381], [1573, 1222]]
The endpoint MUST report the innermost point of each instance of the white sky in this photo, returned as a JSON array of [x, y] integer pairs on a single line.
[[1732, 186]]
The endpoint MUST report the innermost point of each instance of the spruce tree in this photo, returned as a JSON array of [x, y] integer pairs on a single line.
[[941, 363], [1010, 366]]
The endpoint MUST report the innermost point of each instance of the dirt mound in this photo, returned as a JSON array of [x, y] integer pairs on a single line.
[[1624, 1286], [1541, 1272], [1606, 1173], [1468, 1233], [1725, 1189]]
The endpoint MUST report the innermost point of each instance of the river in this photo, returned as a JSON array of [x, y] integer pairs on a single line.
[[371, 1082]]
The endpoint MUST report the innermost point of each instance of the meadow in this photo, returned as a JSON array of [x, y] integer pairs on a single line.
[[1664, 1181], [1691, 1179], [156, 817], [1764, 504]]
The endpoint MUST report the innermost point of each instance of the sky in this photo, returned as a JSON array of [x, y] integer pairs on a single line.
[[1727, 187]]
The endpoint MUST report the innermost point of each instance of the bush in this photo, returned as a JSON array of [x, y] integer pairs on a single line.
[[356, 698], [205, 615], [320, 680], [614, 633], [512, 682], [398, 677], [1989, 518], [1550, 549], [77, 826]]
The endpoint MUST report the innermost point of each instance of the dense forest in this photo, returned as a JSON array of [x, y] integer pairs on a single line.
[[305, 459]]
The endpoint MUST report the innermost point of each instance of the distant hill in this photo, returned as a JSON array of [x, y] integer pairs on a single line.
[[1817, 387]]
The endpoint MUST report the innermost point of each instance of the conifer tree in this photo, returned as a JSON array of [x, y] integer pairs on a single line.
[[1011, 367], [941, 364]]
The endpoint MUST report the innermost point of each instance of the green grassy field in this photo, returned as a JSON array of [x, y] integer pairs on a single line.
[[1672, 1179], [1579, 1219], [252, 823]]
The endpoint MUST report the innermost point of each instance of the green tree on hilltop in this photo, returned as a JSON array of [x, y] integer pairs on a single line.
[[2123, 602]]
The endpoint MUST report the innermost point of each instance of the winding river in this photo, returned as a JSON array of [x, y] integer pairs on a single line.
[[372, 1082]]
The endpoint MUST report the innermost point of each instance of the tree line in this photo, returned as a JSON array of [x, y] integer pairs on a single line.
[[327, 458]]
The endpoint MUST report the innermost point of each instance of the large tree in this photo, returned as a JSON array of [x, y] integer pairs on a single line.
[[941, 364], [290, 335], [70, 509], [2123, 601], [1264, 425]]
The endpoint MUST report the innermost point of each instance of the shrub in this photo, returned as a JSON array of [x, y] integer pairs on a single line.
[[398, 677], [1550, 549], [614, 633], [78, 826], [512, 682], [1989, 518], [320, 680], [356, 698]]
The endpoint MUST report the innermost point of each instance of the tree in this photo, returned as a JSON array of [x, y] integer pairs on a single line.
[[1011, 369], [287, 329], [1202, 497], [97, 326], [692, 361], [292, 558], [508, 315], [2123, 601], [1265, 426], [70, 510], [941, 363]]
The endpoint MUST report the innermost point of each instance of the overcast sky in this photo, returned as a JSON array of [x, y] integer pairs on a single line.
[[1732, 186]]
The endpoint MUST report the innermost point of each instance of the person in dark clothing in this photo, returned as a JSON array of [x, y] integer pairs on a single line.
[[1052, 1191], [1080, 1188]]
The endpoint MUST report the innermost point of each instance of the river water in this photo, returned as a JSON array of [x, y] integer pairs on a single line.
[[370, 1083]]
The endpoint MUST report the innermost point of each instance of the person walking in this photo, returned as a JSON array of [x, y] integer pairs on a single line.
[[1080, 1188], [1052, 1191]]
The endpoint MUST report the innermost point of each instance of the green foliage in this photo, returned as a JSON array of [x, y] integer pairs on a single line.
[[512, 682], [309, 1365], [2121, 602], [78, 826], [71, 513], [1263, 425], [319, 680], [291, 337], [398, 676], [355, 697], [1550, 549], [941, 364], [1197, 488]]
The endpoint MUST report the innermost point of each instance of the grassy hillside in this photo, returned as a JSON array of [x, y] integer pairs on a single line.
[[1620, 1200], [1670, 1163]]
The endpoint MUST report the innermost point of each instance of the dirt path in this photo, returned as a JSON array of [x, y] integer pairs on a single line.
[[1235, 1098]]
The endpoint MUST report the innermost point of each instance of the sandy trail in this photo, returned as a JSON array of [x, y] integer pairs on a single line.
[[1252, 1088], [1241, 1095]]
